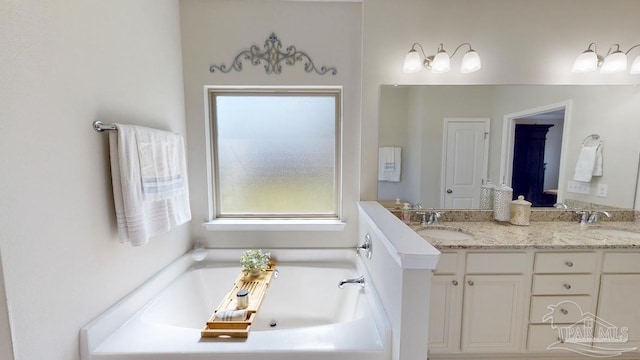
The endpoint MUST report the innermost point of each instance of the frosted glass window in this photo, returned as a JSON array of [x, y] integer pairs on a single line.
[[276, 155]]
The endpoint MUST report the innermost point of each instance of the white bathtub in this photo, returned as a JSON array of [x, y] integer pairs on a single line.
[[314, 318]]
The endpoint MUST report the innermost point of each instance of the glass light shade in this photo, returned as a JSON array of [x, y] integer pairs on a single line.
[[441, 63], [470, 62], [615, 62], [586, 62], [412, 62], [635, 67]]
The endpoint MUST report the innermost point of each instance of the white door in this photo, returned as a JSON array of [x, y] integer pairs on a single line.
[[465, 158]]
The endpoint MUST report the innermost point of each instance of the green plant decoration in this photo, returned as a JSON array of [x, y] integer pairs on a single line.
[[254, 261]]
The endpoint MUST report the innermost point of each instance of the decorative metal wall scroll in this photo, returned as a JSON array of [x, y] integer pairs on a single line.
[[273, 58]]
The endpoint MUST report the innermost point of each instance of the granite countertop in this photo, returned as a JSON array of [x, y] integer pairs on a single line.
[[538, 235]]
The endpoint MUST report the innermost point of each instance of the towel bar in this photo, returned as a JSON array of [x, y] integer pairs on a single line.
[[99, 126], [594, 137]]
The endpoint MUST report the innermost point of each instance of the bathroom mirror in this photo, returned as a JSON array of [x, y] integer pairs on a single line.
[[422, 119]]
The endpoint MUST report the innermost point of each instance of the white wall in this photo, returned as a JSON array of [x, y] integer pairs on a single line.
[[213, 32], [394, 106], [513, 50], [65, 64]]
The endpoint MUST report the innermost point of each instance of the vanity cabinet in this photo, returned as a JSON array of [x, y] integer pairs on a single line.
[[504, 302], [619, 298], [477, 303]]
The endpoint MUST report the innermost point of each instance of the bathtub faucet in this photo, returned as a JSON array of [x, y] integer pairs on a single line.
[[359, 280]]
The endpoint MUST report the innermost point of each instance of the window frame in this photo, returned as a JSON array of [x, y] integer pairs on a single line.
[[212, 157]]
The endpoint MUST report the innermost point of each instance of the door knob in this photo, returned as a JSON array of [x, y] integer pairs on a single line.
[[449, 191]]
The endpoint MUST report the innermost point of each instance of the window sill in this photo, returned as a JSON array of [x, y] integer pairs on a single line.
[[274, 225]]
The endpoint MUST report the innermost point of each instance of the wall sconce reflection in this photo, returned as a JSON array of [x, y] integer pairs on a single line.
[[613, 62], [441, 61]]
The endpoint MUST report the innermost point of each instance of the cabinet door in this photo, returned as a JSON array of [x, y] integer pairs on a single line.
[[444, 315], [493, 315], [618, 308]]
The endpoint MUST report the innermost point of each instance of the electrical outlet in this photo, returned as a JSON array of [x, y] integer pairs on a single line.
[[579, 187], [602, 190]]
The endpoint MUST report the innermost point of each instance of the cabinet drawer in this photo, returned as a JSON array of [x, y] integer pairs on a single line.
[[447, 264], [563, 284], [544, 338], [621, 263], [496, 263], [569, 262], [560, 309]]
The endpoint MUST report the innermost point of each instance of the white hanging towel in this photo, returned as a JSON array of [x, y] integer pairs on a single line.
[[589, 164], [597, 168], [149, 176], [389, 164]]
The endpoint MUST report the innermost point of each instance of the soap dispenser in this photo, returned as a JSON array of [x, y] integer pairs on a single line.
[[406, 213]]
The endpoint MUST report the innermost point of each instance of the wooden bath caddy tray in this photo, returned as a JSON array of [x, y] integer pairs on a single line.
[[257, 287]]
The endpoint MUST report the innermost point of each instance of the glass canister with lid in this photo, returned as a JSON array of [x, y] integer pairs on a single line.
[[520, 211], [486, 195], [502, 196]]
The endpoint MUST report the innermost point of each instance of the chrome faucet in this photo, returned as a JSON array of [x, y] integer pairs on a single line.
[[434, 218], [366, 246], [583, 218], [424, 218], [359, 280], [593, 216]]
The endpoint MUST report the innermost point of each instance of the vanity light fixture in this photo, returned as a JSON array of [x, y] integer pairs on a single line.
[[614, 61], [441, 61]]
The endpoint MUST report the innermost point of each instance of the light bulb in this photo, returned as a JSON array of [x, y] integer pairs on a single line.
[[586, 62], [412, 62], [635, 67], [470, 62], [614, 62], [441, 63]]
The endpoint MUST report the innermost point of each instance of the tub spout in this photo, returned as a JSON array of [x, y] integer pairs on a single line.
[[359, 280]]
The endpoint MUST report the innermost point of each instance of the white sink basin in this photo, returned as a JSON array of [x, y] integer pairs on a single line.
[[444, 234], [619, 233]]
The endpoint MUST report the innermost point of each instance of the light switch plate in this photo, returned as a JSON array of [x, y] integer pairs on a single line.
[[579, 187], [602, 190]]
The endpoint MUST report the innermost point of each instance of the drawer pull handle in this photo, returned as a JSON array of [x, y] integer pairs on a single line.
[[569, 263], [561, 340], [567, 286], [455, 282], [564, 311], [471, 283]]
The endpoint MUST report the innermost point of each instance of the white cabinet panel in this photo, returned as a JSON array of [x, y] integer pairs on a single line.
[[565, 262], [447, 264], [492, 313], [621, 263], [569, 284], [563, 309], [444, 320], [618, 306], [497, 263]]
